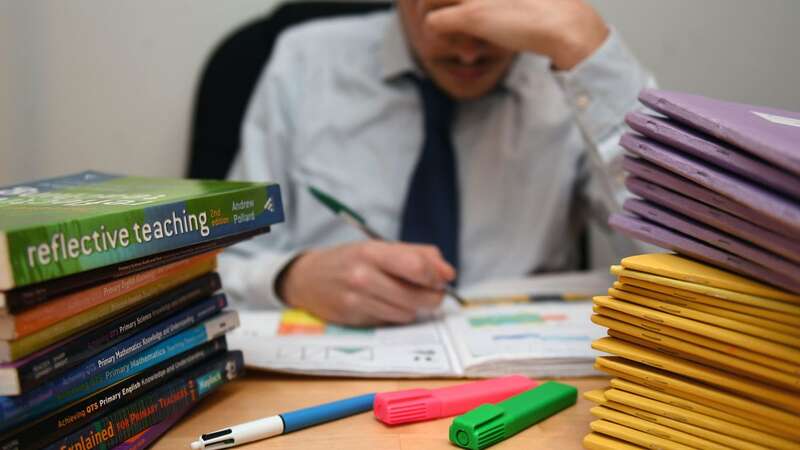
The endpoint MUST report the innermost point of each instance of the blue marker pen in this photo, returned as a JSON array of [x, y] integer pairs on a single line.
[[284, 423]]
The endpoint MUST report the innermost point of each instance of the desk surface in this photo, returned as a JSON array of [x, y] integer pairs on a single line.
[[261, 394]]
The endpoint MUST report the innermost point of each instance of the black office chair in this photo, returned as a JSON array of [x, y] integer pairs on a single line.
[[230, 76]]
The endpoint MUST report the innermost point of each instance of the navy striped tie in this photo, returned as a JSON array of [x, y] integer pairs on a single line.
[[431, 212]]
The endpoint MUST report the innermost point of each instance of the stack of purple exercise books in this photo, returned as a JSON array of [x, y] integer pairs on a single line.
[[718, 182]]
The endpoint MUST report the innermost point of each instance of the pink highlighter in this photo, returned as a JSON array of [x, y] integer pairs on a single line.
[[416, 405]]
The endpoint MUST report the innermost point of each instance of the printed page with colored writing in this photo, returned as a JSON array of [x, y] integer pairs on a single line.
[[545, 339], [294, 341]]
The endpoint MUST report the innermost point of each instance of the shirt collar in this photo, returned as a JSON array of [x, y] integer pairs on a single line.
[[398, 59]]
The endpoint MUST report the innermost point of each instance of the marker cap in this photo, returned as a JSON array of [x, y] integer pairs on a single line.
[[416, 405], [487, 425]]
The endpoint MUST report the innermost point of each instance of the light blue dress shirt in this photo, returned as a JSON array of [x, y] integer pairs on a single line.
[[332, 109]]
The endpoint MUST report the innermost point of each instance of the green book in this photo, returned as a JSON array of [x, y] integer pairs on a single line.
[[61, 226]]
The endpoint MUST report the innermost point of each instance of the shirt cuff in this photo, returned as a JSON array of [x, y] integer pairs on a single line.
[[604, 87], [250, 280]]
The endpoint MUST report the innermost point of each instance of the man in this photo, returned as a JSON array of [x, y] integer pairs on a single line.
[[347, 105]]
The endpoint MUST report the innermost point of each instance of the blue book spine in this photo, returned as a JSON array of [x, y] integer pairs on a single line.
[[140, 341], [152, 408], [47, 364], [14, 410], [77, 414], [152, 336]]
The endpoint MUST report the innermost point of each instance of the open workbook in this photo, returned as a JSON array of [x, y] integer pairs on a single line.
[[547, 339]]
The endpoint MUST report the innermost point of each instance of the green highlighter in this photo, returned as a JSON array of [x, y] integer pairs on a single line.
[[489, 424]]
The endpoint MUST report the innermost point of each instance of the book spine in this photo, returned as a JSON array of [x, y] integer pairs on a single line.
[[36, 341], [41, 253], [138, 342], [69, 305], [6, 270], [21, 299], [154, 407], [14, 410], [74, 416], [147, 438], [56, 359]]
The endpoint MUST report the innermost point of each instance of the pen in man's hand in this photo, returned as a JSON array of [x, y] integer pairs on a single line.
[[358, 221]]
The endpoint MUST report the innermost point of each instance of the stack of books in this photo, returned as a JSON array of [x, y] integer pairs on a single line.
[[719, 182], [701, 357], [705, 343], [112, 325]]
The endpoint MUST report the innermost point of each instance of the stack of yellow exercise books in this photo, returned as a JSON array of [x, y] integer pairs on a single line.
[[700, 358]]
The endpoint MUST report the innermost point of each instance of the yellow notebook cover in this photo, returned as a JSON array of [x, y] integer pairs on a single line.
[[745, 418], [633, 339], [693, 390], [716, 439], [632, 418], [596, 441], [595, 396], [638, 388], [747, 299], [681, 346], [757, 311], [704, 317], [714, 308], [635, 436], [780, 312], [725, 380], [725, 433], [753, 343], [716, 360], [680, 268], [739, 352], [676, 354]]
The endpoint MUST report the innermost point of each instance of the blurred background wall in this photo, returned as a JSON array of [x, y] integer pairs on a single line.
[[108, 85]]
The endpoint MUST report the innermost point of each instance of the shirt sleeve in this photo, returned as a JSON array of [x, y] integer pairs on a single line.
[[601, 90], [249, 269]]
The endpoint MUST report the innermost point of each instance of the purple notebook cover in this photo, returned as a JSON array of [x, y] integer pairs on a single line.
[[150, 435], [765, 202], [709, 149], [769, 133], [716, 218], [668, 180], [643, 230], [711, 236]]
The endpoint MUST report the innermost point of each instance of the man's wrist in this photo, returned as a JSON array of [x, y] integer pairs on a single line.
[[282, 280], [575, 47]]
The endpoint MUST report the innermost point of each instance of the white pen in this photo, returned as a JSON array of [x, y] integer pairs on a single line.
[[284, 423]]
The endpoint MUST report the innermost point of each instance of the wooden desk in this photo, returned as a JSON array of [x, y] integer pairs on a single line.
[[261, 394]]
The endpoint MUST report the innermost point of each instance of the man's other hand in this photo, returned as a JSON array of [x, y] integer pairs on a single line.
[[567, 31], [367, 283]]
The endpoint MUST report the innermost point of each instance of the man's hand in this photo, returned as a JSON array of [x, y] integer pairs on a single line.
[[567, 31], [367, 283]]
